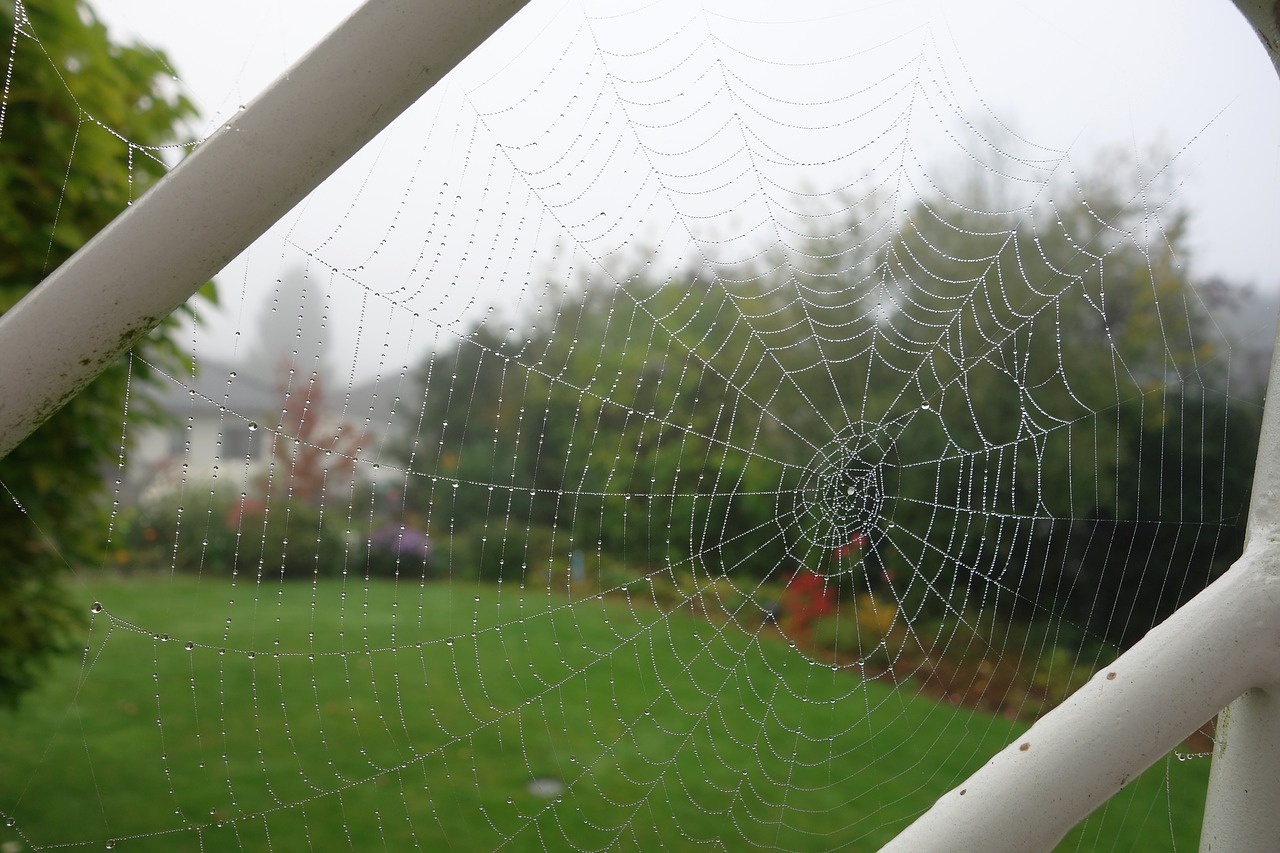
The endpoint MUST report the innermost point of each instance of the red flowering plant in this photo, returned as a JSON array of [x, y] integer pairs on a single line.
[[808, 595], [313, 459], [853, 546]]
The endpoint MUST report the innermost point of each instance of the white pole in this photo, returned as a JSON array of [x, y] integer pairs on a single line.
[[234, 186], [1026, 798], [1242, 808]]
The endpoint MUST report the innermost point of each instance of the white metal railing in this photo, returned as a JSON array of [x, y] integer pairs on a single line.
[[1222, 647], [233, 187]]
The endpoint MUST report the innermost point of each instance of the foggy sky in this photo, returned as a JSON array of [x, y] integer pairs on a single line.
[[1181, 80]]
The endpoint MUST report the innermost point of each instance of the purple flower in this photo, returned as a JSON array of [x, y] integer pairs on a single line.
[[405, 542]]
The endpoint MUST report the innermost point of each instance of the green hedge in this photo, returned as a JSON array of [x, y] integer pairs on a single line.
[[221, 531]]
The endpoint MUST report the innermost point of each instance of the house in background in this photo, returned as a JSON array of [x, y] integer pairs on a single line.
[[226, 420], [213, 435]]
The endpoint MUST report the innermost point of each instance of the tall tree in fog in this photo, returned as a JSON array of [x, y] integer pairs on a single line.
[[292, 330]]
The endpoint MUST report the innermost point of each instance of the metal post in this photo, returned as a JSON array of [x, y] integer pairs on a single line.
[[1242, 807], [235, 185], [1264, 17], [1026, 798]]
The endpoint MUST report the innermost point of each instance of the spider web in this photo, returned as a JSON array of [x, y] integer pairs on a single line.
[[728, 431]]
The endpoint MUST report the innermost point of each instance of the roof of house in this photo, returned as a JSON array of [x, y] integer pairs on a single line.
[[219, 389]]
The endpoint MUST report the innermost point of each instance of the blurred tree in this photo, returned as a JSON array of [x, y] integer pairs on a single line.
[[1072, 409], [292, 329], [313, 455], [1038, 388], [631, 434], [85, 125]]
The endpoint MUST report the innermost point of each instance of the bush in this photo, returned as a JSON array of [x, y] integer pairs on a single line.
[[221, 531], [507, 551], [807, 598], [1006, 667], [548, 551], [396, 551], [290, 542], [605, 573], [185, 532], [671, 588], [866, 629], [483, 555]]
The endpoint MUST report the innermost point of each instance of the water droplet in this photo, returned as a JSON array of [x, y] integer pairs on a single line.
[[925, 406], [190, 646], [10, 822], [253, 425], [96, 608]]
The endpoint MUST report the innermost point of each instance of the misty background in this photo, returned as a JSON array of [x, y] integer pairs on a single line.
[[443, 216]]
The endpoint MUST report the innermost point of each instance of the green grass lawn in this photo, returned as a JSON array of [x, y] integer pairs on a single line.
[[362, 716]]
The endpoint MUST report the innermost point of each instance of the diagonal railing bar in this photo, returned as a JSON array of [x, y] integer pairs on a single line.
[[233, 187], [1242, 808], [1219, 651]]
